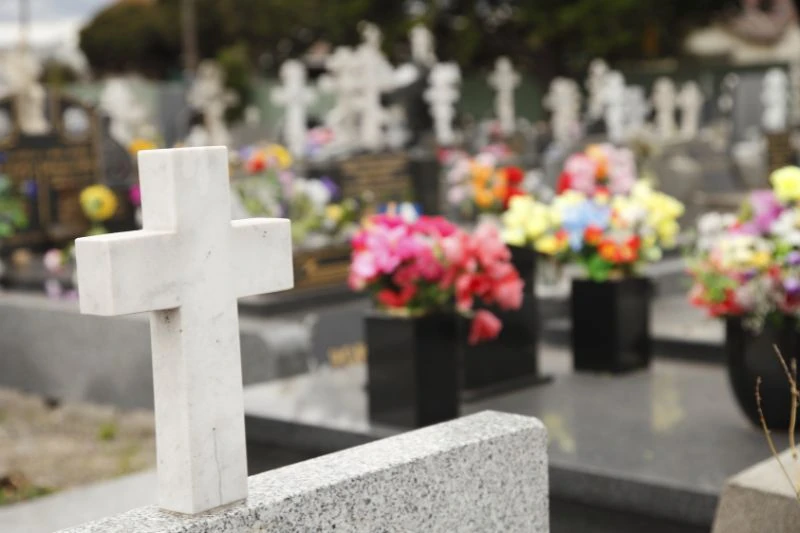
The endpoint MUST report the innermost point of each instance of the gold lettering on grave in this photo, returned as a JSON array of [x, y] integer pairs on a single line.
[[347, 355], [384, 177]]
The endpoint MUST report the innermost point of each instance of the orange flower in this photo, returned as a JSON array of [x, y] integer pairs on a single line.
[[481, 173], [608, 251], [596, 153], [484, 198], [593, 235], [627, 254]]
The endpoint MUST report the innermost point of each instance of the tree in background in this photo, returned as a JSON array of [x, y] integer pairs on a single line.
[[546, 36]]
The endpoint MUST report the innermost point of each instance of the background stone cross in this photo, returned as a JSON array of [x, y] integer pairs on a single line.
[[187, 266]]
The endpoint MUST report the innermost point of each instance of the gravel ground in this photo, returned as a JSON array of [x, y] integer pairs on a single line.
[[56, 447]]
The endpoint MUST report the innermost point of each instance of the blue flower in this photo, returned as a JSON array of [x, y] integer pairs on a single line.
[[578, 217]]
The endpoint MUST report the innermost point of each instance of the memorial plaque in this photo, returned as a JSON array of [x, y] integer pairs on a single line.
[[379, 178], [779, 152], [52, 168], [321, 268]]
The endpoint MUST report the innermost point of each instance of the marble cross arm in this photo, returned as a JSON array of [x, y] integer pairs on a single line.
[[261, 246], [128, 272]]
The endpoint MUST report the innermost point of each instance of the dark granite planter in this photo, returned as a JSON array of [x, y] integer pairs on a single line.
[[610, 325], [510, 361], [751, 355], [413, 369]]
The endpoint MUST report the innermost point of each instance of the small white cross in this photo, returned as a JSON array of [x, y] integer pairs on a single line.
[[664, 100], [295, 96], [690, 102], [442, 95], [504, 79], [187, 267]]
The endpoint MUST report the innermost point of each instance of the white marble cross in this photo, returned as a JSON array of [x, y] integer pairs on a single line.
[[423, 45], [613, 98], [504, 79], [690, 102], [442, 95], [209, 95], [775, 99], [636, 110], [295, 96], [664, 102], [374, 76], [341, 83], [563, 99], [187, 267], [598, 69]]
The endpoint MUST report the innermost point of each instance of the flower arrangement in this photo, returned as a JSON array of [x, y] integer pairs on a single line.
[[602, 218], [431, 265], [480, 184], [748, 265], [13, 215], [270, 188]]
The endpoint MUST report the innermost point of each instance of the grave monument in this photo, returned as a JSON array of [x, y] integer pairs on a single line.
[[187, 266]]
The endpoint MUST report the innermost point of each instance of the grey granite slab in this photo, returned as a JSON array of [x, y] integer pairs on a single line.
[[660, 442], [479, 474]]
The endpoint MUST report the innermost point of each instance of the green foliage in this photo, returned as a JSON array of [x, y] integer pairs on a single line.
[[236, 65], [107, 431], [547, 35], [13, 215]]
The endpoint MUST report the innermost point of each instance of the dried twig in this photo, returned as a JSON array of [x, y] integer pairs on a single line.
[[771, 444], [791, 375]]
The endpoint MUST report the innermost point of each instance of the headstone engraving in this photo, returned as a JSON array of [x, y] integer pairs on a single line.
[[187, 267], [52, 167]]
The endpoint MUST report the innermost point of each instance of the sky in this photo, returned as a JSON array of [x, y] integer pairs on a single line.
[[52, 10], [52, 21]]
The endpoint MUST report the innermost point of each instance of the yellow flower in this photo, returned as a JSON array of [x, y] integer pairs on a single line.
[[549, 245], [334, 212], [138, 145], [667, 232], [786, 182], [99, 203], [760, 259], [514, 236], [280, 154]]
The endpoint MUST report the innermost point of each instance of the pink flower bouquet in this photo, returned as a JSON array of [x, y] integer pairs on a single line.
[[432, 265]]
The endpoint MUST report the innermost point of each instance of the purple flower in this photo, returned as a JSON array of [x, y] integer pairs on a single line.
[[766, 209], [793, 259], [791, 286], [747, 275], [333, 189]]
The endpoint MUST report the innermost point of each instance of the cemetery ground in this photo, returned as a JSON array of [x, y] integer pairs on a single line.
[[47, 446]]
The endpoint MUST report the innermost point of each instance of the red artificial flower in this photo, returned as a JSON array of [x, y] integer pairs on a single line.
[[564, 183], [256, 164], [514, 175], [593, 235], [635, 242], [511, 192], [390, 298], [485, 326]]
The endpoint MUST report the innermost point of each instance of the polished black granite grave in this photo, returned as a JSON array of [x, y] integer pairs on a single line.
[[678, 331], [657, 443]]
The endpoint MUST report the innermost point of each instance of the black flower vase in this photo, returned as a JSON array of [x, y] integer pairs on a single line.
[[413, 369], [751, 355], [611, 324], [511, 360]]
